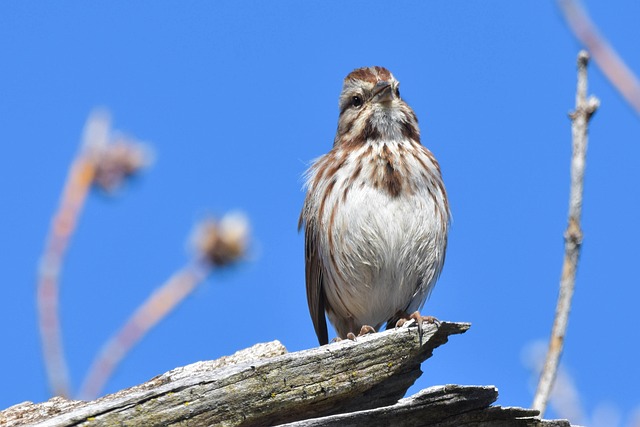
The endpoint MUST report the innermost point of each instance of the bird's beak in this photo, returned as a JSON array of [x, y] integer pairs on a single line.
[[382, 92]]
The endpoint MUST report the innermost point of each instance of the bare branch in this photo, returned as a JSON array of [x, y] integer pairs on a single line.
[[585, 108], [216, 244], [154, 309], [79, 181], [603, 53], [102, 163]]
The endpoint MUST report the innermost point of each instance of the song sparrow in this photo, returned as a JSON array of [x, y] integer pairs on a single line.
[[376, 214]]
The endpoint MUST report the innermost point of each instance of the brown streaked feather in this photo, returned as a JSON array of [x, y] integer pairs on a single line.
[[327, 191], [410, 131], [314, 279], [341, 138], [392, 181], [377, 145], [352, 179], [369, 74]]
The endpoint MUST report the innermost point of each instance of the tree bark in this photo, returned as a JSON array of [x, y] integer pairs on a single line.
[[350, 383]]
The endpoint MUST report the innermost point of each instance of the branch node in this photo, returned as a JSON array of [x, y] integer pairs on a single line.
[[583, 58], [593, 103], [573, 233]]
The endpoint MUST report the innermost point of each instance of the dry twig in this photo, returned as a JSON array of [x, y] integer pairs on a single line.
[[99, 163], [79, 180], [154, 309], [585, 108], [216, 243], [603, 53]]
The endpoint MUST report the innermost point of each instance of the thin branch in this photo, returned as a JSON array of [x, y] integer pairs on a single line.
[[603, 53], [79, 181], [585, 108], [62, 227], [216, 244], [155, 308], [105, 164]]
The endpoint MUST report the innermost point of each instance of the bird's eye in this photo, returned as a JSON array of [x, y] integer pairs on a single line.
[[398, 92], [356, 101]]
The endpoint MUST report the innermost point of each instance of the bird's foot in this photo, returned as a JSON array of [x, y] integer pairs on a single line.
[[417, 318], [364, 330]]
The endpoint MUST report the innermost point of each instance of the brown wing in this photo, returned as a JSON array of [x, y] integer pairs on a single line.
[[314, 279]]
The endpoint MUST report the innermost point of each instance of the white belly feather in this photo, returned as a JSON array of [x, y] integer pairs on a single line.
[[393, 246]]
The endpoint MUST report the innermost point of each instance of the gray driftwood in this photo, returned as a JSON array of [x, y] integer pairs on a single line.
[[341, 384]]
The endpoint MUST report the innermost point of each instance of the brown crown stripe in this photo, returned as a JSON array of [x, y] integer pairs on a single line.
[[369, 74], [361, 74], [383, 73]]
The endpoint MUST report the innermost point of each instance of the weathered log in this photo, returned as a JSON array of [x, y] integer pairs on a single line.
[[361, 380], [442, 406]]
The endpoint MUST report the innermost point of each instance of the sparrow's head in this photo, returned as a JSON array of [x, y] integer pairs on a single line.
[[371, 109]]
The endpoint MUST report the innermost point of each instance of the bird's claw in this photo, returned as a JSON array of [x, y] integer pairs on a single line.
[[364, 330], [416, 317]]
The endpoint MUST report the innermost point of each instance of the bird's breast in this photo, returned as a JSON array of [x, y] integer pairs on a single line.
[[384, 225]]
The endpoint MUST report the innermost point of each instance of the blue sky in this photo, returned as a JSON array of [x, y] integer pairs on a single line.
[[237, 98]]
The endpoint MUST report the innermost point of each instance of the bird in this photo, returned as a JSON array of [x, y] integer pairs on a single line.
[[375, 216]]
